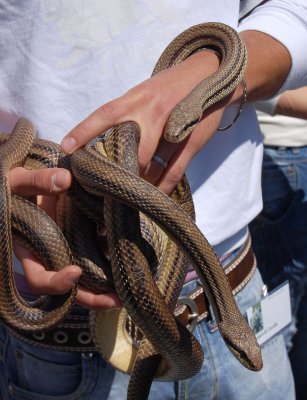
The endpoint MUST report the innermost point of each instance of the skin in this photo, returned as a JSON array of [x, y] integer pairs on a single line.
[[292, 103], [149, 104]]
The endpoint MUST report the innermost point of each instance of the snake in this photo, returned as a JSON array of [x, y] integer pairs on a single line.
[[122, 189]]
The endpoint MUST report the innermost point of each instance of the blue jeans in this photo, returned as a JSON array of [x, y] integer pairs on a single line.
[[280, 242], [31, 373], [222, 377]]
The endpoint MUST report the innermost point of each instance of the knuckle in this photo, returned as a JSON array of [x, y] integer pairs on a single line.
[[81, 131], [162, 108], [149, 94], [107, 112], [39, 180], [146, 92]]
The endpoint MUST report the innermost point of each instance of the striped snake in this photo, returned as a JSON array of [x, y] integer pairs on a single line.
[[108, 170]]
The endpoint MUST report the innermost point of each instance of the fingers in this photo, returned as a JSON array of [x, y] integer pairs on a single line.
[[97, 301], [100, 120], [160, 164], [175, 158], [28, 183], [44, 282]]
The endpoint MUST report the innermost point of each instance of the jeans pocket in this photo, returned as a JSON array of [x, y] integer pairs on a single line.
[[36, 373]]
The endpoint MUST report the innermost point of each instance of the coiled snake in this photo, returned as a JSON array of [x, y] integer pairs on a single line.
[[108, 169]]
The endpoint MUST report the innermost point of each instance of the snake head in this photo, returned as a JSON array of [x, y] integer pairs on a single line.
[[181, 122], [242, 343]]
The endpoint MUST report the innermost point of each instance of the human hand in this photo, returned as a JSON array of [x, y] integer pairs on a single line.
[[47, 181], [149, 104], [43, 186], [40, 185], [44, 282]]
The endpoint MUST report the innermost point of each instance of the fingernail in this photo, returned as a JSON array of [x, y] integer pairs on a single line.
[[72, 279], [68, 144], [58, 181]]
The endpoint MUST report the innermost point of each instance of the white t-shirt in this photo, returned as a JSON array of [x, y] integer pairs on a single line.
[[60, 60], [280, 130]]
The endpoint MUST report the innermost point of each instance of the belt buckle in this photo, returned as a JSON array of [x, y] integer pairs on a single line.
[[193, 316]]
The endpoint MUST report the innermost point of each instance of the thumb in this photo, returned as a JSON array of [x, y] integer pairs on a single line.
[[27, 183], [42, 281]]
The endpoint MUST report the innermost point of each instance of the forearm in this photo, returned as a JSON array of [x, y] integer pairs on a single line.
[[269, 63], [293, 103], [268, 66], [275, 33]]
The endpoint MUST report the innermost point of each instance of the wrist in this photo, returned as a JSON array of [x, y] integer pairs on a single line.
[[203, 63], [237, 98]]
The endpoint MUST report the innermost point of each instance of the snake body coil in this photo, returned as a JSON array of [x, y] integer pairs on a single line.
[[110, 174], [14, 310]]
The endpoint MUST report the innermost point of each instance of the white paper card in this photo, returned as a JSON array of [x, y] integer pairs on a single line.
[[271, 314]]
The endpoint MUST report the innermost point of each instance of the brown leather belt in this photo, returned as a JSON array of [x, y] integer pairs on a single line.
[[73, 334], [193, 309]]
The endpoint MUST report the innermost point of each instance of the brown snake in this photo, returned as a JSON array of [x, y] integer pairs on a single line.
[[124, 190]]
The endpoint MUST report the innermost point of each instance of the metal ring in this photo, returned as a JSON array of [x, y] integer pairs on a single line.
[[84, 337], [60, 337], [39, 335], [160, 160]]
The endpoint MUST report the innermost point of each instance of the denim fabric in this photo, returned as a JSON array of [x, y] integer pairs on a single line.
[[32, 373], [298, 353], [280, 242], [222, 377]]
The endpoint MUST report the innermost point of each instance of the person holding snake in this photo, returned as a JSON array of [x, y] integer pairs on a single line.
[[61, 61]]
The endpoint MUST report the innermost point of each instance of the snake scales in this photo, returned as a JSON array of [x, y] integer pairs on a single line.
[[126, 197]]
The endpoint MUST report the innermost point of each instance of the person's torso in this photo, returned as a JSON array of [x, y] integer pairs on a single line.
[[61, 60]]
